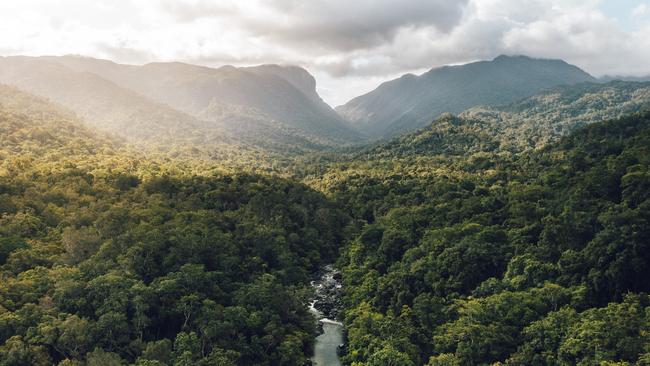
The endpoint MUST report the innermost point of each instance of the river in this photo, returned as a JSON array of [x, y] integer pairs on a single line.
[[326, 307]]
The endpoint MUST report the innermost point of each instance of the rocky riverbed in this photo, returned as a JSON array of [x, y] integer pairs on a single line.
[[326, 306]]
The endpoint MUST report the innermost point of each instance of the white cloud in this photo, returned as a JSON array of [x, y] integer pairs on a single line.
[[641, 10], [350, 46]]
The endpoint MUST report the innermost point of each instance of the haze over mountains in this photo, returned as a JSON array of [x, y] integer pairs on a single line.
[[411, 101], [99, 101], [530, 123], [268, 105], [272, 107]]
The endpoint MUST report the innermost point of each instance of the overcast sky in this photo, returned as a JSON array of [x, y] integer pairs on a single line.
[[349, 45]]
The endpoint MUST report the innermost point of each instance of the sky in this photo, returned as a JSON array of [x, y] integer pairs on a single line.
[[350, 46]]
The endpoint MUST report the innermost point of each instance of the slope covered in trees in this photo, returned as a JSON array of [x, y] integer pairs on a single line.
[[508, 234], [98, 101], [268, 107], [534, 122], [33, 129], [107, 259], [530, 123], [536, 258], [411, 102]]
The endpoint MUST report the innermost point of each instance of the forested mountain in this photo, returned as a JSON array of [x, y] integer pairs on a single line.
[[99, 101], [136, 228], [109, 258], [530, 123], [534, 258], [410, 102], [31, 128], [282, 94], [286, 94], [270, 107]]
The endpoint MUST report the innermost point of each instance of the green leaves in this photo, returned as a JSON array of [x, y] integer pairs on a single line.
[[515, 260], [218, 264]]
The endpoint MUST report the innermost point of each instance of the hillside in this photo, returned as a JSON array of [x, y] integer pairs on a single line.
[[279, 95], [31, 128], [533, 258], [530, 123], [100, 102], [410, 102], [536, 121], [109, 257], [268, 108]]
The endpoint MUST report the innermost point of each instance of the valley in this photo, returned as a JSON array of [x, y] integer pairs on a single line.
[[493, 213]]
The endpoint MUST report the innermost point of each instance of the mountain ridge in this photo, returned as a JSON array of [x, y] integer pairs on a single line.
[[527, 124], [276, 104], [179, 84], [411, 101]]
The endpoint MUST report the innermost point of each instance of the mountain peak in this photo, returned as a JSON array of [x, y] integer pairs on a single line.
[[523, 58], [406, 103], [297, 76], [262, 103], [503, 57]]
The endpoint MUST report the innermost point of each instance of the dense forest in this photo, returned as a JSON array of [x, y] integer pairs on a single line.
[[539, 258], [105, 259], [515, 235]]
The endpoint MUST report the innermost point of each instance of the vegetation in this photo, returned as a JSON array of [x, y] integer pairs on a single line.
[[270, 107], [537, 258], [530, 123], [411, 102], [106, 261], [515, 235]]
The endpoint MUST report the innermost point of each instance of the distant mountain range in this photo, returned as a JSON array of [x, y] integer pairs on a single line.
[[411, 102], [530, 123], [276, 108], [268, 106], [99, 101]]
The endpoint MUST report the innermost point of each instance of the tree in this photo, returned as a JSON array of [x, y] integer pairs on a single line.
[[389, 356], [99, 357]]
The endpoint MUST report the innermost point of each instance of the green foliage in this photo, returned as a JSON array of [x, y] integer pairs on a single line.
[[105, 260], [531, 123], [522, 258], [466, 254]]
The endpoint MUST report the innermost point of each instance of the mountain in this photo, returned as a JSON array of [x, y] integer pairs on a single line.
[[608, 78], [530, 123], [33, 128], [110, 248], [283, 95], [411, 101], [99, 101], [543, 118], [268, 107]]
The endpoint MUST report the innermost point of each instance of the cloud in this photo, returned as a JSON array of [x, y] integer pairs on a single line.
[[353, 25], [350, 46], [641, 10], [191, 10]]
